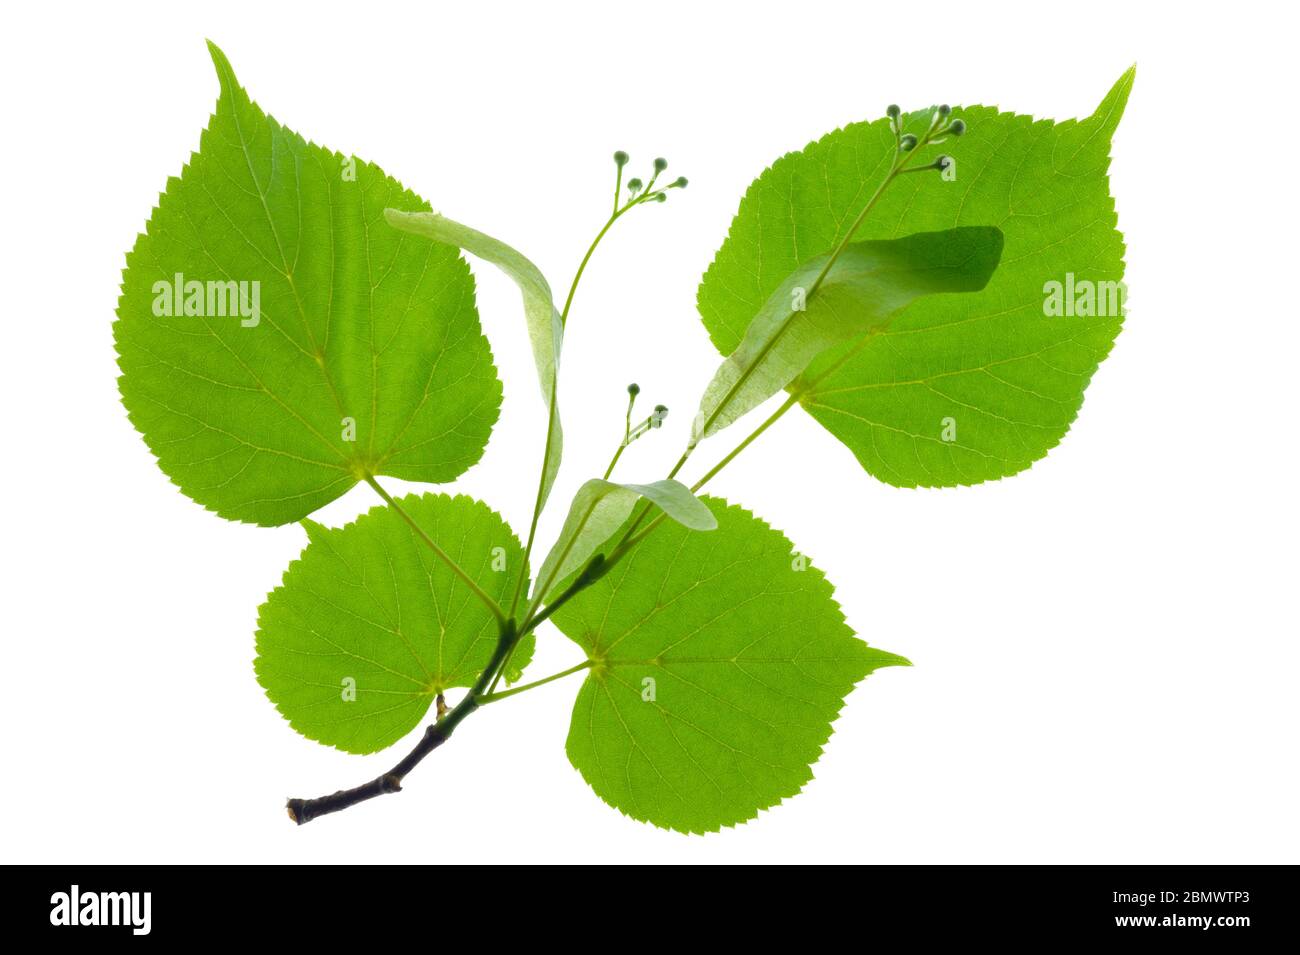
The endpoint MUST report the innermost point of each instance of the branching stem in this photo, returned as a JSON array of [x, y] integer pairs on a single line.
[[511, 632], [435, 734]]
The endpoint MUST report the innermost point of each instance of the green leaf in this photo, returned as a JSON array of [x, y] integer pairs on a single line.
[[719, 662], [866, 286], [369, 611], [958, 389], [545, 330], [601, 507], [358, 352]]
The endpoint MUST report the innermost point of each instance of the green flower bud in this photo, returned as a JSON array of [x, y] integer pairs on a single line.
[[907, 143], [943, 162], [679, 184], [634, 389], [634, 186], [660, 165], [892, 111], [956, 128], [620, 159], [661, 197], [657, 419], [944, 109]]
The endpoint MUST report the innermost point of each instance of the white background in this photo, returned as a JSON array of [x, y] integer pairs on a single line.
[[1105, 646]]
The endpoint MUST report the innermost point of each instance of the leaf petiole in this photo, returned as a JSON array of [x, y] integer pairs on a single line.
[[494, 697]]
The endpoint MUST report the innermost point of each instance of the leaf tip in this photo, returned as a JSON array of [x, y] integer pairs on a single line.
[[883, 658], [225, 72], [1125, 83], [1111, 108]]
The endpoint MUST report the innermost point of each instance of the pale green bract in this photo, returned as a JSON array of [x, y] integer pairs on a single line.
[[601, 507], [545, 328], [340, 348], [719, 662], [866, 285], [958, 389], [369, 625]]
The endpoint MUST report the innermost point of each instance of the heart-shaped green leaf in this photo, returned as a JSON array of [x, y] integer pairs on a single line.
[[959, 388], [369, 625], [278, 341], [718, 662]]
